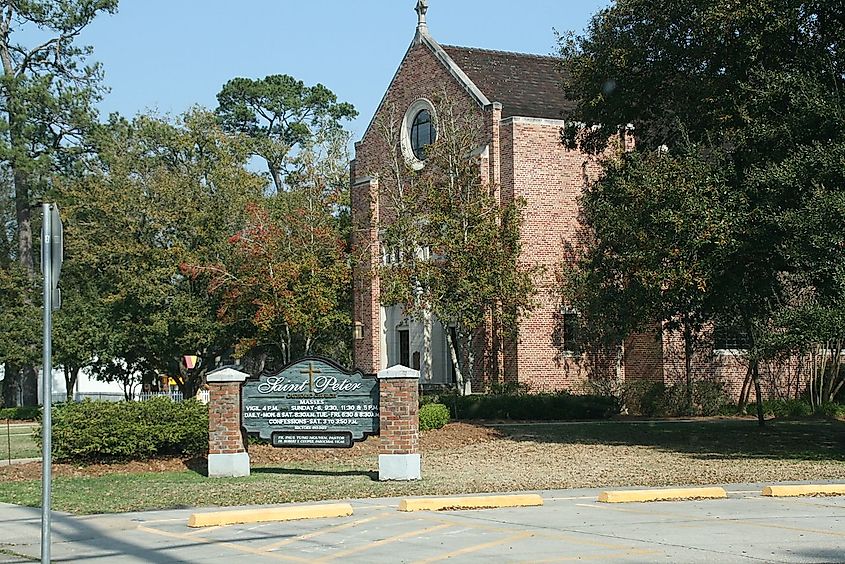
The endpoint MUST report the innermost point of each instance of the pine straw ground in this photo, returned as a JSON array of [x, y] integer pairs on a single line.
[[465, 458], [526, 456]]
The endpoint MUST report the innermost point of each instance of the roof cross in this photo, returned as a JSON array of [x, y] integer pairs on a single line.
[[421, 9]]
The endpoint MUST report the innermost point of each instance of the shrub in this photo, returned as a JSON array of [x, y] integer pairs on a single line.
[[20, 413], [832, 410], [433, 416], [110, 431], [642, 397], [655, 399], [783, 408], [560, 406]]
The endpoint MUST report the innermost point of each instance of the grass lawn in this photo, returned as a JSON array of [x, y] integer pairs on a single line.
[[541, 456], [18, 436], [808, 439]]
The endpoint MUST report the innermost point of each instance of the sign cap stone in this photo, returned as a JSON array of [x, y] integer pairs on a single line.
[[226, 374], [399, 371]]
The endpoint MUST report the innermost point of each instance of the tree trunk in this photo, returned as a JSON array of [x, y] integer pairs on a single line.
[[758, 392], [470, 364], [23, 216], [745, 390], [453, 351], [71, 376], [276, 175], [29, 385], [688, 363], [10, 385]]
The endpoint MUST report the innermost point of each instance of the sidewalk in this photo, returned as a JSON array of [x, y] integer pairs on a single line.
[[7, 462], [570, 526]]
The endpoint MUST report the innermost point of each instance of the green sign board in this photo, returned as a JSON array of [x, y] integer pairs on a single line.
[[311, 403]]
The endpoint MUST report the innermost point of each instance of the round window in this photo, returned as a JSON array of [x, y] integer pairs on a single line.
[[418, 132], [422, 133]]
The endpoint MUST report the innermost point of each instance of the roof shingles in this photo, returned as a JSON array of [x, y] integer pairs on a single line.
[[526, 85]]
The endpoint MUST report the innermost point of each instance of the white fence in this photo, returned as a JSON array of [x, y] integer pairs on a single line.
[[202, 396]]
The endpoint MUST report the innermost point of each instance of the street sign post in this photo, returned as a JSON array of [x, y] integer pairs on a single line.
[[52, 254]]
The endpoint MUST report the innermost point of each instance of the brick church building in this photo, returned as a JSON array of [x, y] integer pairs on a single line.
[[518, 102]]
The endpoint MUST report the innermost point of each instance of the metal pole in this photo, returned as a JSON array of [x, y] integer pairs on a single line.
[[46, 381], [9, 440]]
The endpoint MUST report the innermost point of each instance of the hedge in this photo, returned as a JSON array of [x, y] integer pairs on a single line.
[[560, 406], [117, 431], [20, 413]]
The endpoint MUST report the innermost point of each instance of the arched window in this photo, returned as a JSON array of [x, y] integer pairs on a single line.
[[422, 133]]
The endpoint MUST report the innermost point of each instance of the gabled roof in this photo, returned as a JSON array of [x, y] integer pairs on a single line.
[[526, 85]]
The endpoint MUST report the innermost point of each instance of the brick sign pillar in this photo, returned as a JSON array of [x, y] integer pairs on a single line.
[[399, 457], [227, 455]]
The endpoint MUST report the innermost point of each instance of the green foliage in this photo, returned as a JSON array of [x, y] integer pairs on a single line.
[[278, 114], [161, 195], [287, 271], [780, 408], [743, 101], [531, 407], [92, 431], [456, 247], [655, 399], [20, 413], [433, 416]]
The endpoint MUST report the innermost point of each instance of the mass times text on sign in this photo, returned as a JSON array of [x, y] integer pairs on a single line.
[[311, 403]]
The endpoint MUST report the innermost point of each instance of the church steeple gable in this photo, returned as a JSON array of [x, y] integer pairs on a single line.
[[421, 9]]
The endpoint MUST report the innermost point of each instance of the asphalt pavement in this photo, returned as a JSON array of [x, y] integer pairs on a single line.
[[570, 526]]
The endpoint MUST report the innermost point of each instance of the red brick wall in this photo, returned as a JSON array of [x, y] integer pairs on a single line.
[[785, 378], [644, 356], [420, 75], [367, 256], [224, 419], [399, 416], [550, 179]]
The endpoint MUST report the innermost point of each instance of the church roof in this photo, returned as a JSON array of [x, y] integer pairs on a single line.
[[526, 85]]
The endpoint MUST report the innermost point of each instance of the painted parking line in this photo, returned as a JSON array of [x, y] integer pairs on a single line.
[[381, 542], [228, 545], [477, 547], [320, 532], [601, 556], [743, 522]]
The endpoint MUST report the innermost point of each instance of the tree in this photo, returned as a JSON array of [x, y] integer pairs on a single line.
[[46, 95], [160, 195], [289, 273], [458, 246], [660, 226], [746, 86], [279, 114]]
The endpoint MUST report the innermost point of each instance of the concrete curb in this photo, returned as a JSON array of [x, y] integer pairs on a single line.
[[804, 490], [476, 502], [674, 494], [218, 518]]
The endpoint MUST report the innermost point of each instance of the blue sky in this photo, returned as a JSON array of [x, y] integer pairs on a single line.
[[167, 55]]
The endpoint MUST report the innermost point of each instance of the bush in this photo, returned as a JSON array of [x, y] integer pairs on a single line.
[[782, 408], [832, 410], [641, 397], [655, 399], [560, 406], [20, 413], [433, 416], [112, 431]]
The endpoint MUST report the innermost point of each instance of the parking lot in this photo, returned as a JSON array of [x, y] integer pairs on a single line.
[[571, 526]]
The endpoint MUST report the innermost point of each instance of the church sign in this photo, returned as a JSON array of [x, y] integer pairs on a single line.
[[311, 403]]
